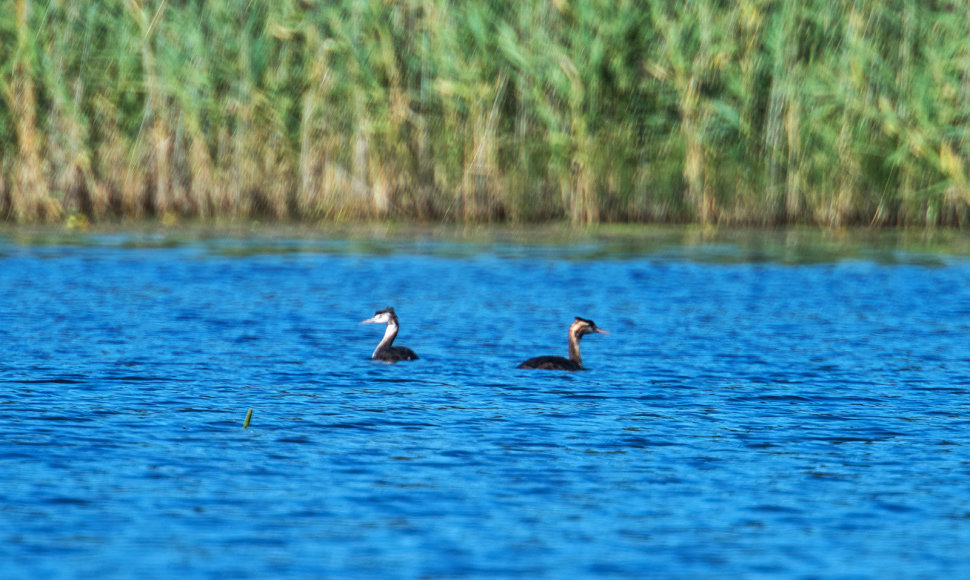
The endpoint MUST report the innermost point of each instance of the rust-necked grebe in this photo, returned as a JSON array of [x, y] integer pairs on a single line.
[[385, 351], [577, 330]]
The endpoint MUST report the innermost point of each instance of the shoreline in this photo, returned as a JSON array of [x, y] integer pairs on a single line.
[[770, 243]]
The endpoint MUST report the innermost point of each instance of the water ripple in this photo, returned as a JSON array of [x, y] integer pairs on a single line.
[[797, 418]]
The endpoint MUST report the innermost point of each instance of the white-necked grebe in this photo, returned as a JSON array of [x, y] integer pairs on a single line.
[[386, 351], [579, 328]]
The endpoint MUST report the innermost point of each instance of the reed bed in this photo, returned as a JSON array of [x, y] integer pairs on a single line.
[[760, 112]]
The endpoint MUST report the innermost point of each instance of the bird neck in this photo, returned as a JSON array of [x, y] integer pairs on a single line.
[[389, 333], [574, 349]]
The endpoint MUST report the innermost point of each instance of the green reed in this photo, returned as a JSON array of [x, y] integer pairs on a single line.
[[750, 112]]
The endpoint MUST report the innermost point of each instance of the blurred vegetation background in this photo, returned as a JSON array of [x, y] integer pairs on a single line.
[[754, 112]]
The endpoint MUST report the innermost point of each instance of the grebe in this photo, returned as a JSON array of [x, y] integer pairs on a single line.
[[579, 328], [385, 351]]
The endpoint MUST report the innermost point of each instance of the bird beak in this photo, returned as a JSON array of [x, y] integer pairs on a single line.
[[368, 321], [601, 331]]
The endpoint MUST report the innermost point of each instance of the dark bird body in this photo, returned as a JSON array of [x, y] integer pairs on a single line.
[[551, 363], [394, 354], [386, 351], [579, 328]]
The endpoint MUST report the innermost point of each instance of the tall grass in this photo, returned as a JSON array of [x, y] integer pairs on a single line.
[[831, 112]]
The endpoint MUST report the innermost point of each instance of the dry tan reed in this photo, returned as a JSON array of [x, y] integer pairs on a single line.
[[756, 112]]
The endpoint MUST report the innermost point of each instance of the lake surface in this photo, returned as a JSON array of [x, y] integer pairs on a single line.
[[762, 408]]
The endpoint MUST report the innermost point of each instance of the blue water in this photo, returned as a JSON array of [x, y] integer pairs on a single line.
[[753, 413]]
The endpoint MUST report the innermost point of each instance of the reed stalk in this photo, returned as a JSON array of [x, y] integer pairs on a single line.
[[759, 112]]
